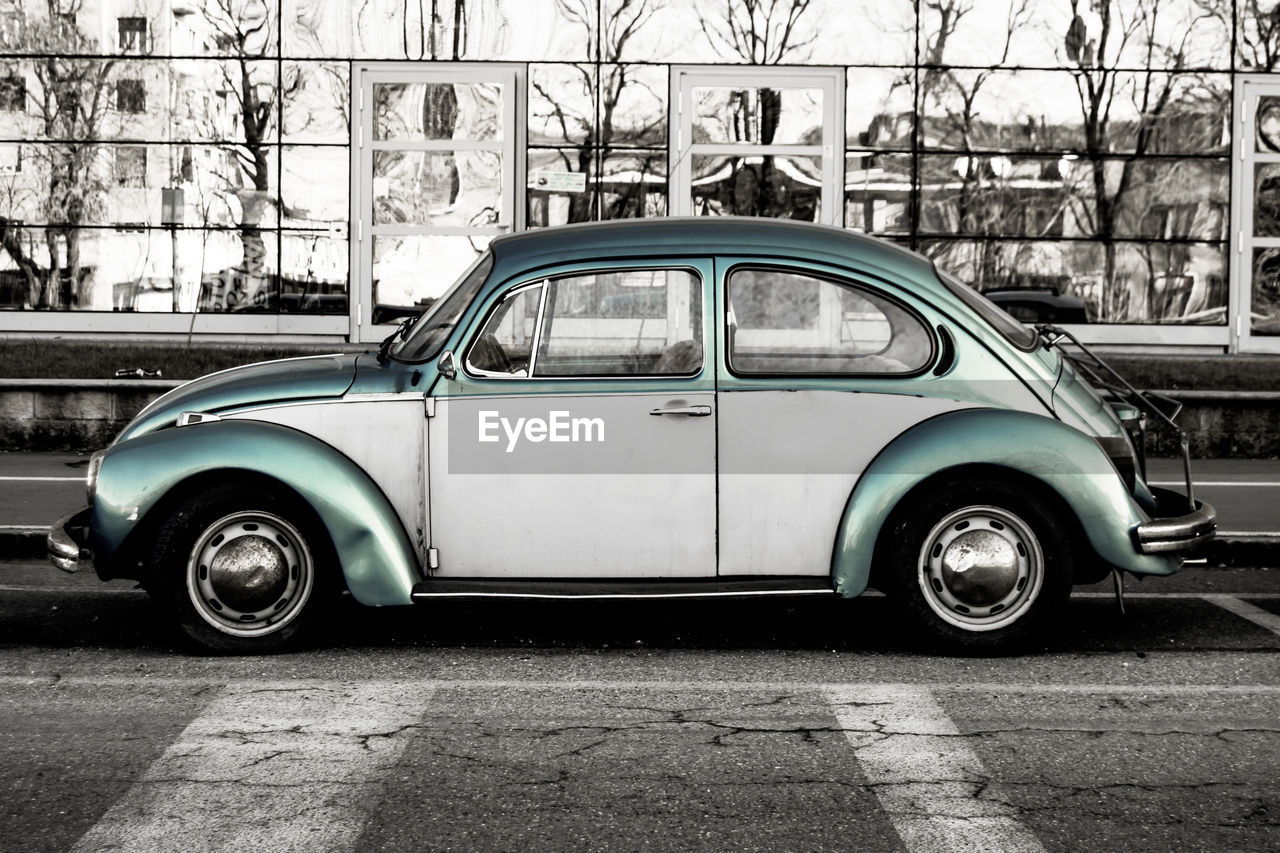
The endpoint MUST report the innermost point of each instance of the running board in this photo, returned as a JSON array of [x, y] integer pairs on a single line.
[[619, 589]]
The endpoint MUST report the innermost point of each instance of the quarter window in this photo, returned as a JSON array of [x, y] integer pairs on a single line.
[[628, 322], [785, 322]]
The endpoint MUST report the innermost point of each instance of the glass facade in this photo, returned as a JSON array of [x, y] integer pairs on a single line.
[[295, 159]]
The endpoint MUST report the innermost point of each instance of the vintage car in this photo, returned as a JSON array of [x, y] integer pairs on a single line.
[[671, 408]]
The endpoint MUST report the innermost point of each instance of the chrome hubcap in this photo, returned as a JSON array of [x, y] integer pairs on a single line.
[[250, 574], [981, 568]]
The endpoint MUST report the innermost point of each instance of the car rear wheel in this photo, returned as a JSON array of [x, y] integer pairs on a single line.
[[979, 566], [241, 570]]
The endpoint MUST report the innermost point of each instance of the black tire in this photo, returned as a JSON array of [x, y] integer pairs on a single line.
[[241, 569], [979, 566]]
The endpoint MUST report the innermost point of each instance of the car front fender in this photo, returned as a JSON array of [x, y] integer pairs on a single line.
[[1060, 457], [373, 549]]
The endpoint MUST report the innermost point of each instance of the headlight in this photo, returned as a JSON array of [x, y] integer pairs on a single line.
[[91, 479]]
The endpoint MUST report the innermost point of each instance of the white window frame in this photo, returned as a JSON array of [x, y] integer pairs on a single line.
[[511, 146], [682, 151], [1248, 90]]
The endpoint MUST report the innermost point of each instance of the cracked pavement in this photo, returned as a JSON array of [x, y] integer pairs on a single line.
[[733, 727]]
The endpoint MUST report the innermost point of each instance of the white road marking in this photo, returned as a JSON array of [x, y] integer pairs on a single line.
[[1245, 610], [22, 528], [1244, 484], [1246, 534], [931, 785], [276, 767], [79, 590], [80, 479]]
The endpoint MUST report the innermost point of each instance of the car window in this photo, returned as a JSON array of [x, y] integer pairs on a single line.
[[622, 322], [788, 322], [505, 344], [1023, 337]]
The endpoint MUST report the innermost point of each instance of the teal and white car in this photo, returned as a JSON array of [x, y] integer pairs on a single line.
[[670, 408]]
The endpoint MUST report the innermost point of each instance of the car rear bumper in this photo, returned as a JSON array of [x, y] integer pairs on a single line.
[[1174, 534], [68, 541]]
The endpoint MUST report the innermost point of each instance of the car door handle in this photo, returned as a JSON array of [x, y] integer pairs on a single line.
[[691, 411]]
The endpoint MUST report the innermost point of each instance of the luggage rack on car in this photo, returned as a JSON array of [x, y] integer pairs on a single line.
[[1108, 380]]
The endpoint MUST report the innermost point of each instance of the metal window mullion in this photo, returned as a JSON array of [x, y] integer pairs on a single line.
[[537, 326], [1245, 160]]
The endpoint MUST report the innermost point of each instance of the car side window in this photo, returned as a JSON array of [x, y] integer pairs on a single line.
[[621, 322], [505, 345], [788, 322]]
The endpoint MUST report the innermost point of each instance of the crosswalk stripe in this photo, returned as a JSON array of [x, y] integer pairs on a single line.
[[268, 767], [931, 785], [1245, 610]]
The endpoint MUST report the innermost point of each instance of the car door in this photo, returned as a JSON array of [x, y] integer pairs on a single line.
[[816, 378], [577, 439]]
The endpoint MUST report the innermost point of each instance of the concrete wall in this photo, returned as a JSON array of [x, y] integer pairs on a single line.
[[70, 414], [1224, 425]]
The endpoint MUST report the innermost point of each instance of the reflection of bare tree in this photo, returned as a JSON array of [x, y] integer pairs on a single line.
[[758, 32], [1092, 52], [1258, 33], [982, 206], [72, 98], [438, 28], [243, 29], [619, 24]]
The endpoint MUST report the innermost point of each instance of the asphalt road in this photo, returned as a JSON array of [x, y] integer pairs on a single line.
[[806, 725]]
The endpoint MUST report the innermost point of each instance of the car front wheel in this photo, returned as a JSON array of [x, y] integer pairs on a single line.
[[238, 569], [980, 566]]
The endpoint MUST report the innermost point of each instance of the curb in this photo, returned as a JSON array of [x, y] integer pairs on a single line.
[[1242, 552]]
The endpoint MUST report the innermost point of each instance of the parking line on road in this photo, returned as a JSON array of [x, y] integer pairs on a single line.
[[267, 767], [931, 785], [1245, 610], [1247, 484], [79, 479], [79, 590]]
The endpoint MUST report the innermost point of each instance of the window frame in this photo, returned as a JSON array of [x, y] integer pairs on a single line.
[[858, 285], [366, 75], [543, 280], [830, 80]]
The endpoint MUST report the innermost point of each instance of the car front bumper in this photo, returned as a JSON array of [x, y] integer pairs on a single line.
[[68, 540], [1176, 534]]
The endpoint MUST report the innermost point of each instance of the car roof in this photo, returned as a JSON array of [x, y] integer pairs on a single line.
[[700, 235]]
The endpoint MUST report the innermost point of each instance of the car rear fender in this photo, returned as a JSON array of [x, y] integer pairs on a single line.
[[1060, 458], [375, 553]]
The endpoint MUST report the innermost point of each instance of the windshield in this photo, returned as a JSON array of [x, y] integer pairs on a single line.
[[1022, 337], [428, 334]]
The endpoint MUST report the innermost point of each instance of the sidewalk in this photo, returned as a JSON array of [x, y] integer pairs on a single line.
[[36, 489]]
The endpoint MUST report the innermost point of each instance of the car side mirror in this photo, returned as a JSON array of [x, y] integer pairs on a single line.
[[448, 369]]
